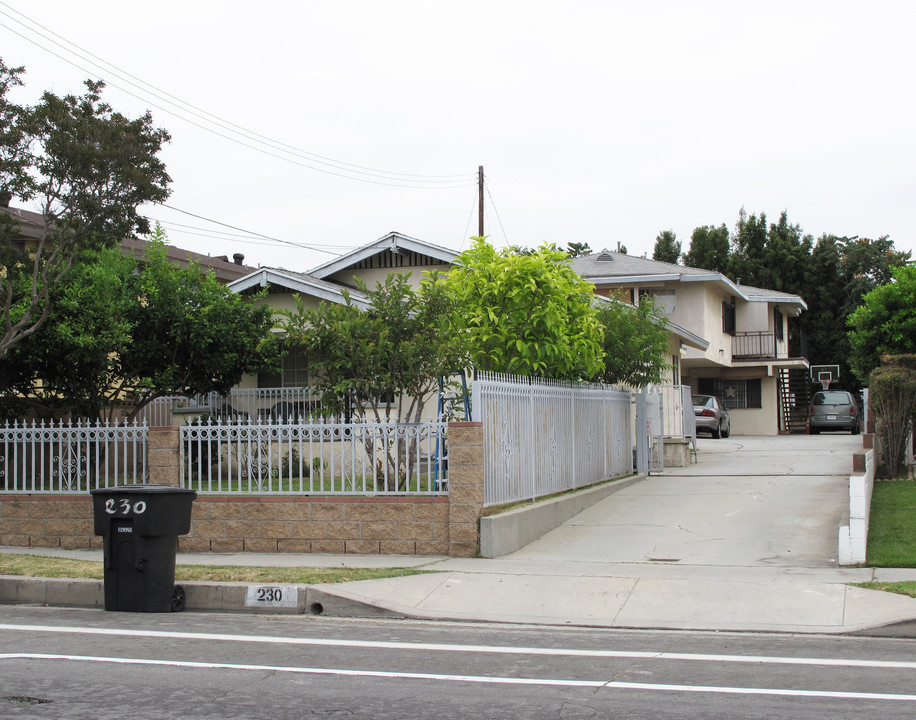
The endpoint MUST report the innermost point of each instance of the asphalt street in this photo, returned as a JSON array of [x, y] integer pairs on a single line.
[[58, 663]]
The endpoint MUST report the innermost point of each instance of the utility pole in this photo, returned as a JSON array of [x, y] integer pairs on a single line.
[[480, 201]]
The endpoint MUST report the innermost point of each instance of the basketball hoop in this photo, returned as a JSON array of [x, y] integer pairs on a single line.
[[824, 375]]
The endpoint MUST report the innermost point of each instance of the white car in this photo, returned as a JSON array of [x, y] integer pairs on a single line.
[[711, 416]]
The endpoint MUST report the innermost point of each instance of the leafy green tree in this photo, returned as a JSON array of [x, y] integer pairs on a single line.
[[525, 314], [383, 363], [709, 248], [191, 334], [635, 343], [885, 323], [868, 263], [667, 248], [88, 169], [88, 326], [134, 332], [15, 157]]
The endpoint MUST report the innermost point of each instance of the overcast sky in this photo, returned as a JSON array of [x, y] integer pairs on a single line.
[[597, 122]]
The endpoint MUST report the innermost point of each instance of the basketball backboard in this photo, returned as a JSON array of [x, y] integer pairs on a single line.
[[825, 374]]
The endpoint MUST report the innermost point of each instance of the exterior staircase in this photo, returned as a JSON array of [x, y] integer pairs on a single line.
[[794, 397]]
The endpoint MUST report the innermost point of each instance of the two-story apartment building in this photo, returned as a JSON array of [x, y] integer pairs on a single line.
[[746, 362], [726, 339]]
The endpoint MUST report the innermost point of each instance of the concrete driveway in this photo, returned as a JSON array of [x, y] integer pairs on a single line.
[[749, 501]]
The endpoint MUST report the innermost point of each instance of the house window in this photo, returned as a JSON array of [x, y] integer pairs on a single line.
[[728, 318], [778, 323], [293, 373], [735, 394], [665, 300]]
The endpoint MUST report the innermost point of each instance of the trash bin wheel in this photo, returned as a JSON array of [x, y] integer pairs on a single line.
[[177, 598]]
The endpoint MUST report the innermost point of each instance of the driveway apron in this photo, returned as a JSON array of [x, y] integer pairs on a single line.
[[749, 501]]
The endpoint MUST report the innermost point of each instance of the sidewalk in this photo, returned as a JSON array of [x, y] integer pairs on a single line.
[[745, 540], [621, 595]]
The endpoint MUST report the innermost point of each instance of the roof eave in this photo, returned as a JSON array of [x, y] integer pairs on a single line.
[[392, 241], [296, 284]]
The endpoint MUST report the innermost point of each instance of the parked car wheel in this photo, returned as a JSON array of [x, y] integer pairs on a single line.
[[717, 432], [727, 431]]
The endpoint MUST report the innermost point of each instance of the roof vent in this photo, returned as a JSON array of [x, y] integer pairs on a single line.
[[605, 257], [238, 258]]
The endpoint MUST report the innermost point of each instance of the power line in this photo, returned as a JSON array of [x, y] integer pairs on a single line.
[[249, 232], [290, 153], [183, 229], [495, 210], [467, 227]]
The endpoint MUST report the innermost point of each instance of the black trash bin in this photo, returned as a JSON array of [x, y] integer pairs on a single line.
[[140, 525]]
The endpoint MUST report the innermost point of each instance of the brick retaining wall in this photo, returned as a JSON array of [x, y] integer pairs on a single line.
[[390, 525]]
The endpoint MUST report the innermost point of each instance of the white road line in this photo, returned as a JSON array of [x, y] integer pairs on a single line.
[[442, 647], [552, 682]]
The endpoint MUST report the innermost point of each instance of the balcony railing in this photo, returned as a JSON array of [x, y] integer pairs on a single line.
[[752, 345]]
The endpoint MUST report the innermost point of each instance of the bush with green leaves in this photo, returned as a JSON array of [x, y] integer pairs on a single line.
[[885, 323], [892, 394], [525, 314], [635, 342]]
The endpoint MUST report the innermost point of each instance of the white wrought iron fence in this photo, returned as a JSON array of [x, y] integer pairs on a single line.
[[226, 455], [68, 457], [542, 437]]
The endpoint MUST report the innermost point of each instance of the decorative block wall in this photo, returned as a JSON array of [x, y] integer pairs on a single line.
[[403, 525]]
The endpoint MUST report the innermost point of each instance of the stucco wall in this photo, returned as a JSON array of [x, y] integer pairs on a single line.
[[758, 421]]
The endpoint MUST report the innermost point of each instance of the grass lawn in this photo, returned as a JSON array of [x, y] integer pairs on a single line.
[[892, 527], [39, 566], [892, 533]]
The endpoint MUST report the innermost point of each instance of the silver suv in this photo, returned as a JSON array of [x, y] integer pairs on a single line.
[[833, 410]]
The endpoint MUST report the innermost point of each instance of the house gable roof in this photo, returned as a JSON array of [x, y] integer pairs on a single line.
[[385, 252], [303, 283]]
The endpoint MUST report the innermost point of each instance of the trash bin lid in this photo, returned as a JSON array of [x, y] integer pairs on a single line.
[[142, 489]]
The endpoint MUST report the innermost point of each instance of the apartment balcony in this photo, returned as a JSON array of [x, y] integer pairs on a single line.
[[753, 345]]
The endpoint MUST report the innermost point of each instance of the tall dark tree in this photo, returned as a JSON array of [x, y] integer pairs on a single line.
[[88, 169], [824, 323], [747, 261], [785, 257], [709, 248], [667, 248]]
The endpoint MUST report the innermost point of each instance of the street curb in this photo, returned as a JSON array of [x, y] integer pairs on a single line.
[[320, 600], [904, 629], [201, 596]]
